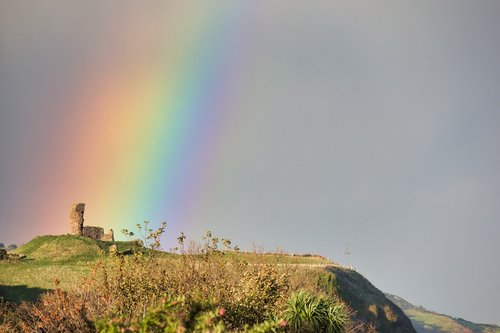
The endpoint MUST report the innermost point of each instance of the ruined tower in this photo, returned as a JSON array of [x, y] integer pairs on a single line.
[[78, 229], [76, 218]]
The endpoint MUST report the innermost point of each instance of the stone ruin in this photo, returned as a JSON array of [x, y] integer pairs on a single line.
[[3, 254], [78, 229], [12, 257]]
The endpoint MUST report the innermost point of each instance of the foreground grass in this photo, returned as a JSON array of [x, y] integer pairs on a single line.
[[28, 279]]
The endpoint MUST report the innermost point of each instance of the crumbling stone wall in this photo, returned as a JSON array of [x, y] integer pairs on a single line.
[[77, 227], [93, 232], [76, 218], [110, 236]]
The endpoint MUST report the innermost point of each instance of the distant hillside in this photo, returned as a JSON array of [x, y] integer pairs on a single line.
[[426, 321]]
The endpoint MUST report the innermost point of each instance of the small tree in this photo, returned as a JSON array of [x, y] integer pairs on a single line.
[[152, 237]]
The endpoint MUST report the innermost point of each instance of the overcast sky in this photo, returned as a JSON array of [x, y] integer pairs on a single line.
[[369, 123]]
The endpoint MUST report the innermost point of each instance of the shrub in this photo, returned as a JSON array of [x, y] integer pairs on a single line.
[[7, 316], [249, 293], [56, 311], [268, 326], [168, 316], [259, 294]]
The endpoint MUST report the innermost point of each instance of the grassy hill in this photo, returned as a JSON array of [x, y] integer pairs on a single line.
[[426, 321], [51, 260], [67, 249], [65, 260]]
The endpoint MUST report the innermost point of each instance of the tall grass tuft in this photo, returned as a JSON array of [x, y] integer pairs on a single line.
[[306, 313]]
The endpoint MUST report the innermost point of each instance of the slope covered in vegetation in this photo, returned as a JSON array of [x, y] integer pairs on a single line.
[[233, 291], [67, 248]]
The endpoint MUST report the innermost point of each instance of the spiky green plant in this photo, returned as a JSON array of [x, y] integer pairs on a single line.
[[310, 313]]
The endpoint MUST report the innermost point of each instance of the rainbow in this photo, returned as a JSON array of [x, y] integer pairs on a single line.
[[143, 137]]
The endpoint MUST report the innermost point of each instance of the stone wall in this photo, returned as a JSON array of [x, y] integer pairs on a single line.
[[110, 236], [96, 233], [76, 218]]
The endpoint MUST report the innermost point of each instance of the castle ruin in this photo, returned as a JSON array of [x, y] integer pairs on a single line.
[[78, 229]]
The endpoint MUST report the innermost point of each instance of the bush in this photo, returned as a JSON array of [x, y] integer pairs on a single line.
[[56, 311], [259, 294], [168, 316], [249, 293], [268, 326]]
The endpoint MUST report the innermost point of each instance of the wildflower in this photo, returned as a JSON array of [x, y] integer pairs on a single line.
[[282, 323], [222, 312]]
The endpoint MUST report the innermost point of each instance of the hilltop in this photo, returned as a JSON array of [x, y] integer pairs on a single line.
[[426, 321], [68, 248]]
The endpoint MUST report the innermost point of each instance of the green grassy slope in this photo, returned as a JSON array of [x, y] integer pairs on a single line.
[[67, 248], [426, 321], [51, 260]]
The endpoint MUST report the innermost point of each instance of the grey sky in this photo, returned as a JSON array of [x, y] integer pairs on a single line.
[[380, 131]]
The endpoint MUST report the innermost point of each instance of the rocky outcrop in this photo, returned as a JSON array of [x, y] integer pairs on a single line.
[[113, 250]]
